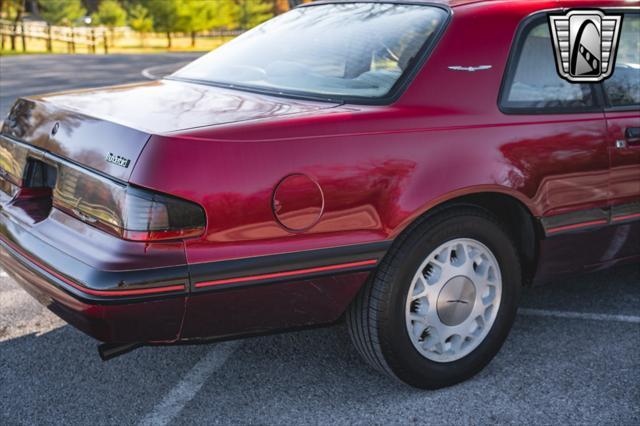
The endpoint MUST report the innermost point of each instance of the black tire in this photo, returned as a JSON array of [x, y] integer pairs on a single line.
[[376, 318]]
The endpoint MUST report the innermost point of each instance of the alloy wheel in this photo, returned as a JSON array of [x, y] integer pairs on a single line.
[[453, 300]]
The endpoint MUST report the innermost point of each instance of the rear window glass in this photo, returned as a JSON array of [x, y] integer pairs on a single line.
[[331, 50]]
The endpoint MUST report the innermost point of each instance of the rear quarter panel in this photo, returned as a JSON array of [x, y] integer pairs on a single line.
[[373, 184], [381, 167]]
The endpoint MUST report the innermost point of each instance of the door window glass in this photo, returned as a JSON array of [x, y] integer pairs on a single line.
[[623, 87]]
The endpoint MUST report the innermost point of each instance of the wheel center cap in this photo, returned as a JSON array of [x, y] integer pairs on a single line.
[[456, 300]]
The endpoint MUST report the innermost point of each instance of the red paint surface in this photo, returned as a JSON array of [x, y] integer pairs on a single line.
[[298, 202], [265, 308], [378, 168]]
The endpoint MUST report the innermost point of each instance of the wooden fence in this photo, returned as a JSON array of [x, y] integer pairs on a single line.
[[14, 35], [18, 36]]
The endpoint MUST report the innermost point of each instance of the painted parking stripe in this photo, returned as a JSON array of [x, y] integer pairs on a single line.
[[148, 73], [187, 388], [159, 71], [579, 315]]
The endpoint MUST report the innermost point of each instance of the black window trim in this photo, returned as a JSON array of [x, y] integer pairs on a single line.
[[517, 45]]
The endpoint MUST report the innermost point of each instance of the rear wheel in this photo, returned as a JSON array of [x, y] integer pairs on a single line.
[[442, 301]]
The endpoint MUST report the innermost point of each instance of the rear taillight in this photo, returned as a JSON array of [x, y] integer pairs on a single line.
[[130, 213]]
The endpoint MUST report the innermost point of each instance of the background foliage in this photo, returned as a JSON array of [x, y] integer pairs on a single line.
[[187, 18]]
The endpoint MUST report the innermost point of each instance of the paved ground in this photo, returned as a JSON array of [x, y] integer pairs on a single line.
[[36, 74], [573, 356]]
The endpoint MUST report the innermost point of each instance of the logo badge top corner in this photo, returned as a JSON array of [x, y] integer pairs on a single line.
[[585, 44]]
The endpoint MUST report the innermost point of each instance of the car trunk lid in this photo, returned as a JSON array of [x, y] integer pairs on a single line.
[[106, 129], [79, 138]]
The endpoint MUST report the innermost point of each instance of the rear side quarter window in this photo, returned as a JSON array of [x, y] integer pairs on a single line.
[[531, 84]]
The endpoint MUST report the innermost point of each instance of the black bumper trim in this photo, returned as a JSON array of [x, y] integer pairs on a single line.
[[271, 269], [72, 275]]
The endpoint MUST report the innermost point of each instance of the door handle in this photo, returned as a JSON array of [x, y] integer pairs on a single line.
[[632, 135]]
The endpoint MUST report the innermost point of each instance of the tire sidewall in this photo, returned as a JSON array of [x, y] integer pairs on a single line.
[[403, 358]]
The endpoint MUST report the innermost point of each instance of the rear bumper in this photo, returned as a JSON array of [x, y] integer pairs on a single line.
[[124, 292], [111, 305]]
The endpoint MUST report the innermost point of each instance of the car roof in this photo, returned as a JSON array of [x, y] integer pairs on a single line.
[[454, 3], [458, 3], [450, 3], [562, 3]]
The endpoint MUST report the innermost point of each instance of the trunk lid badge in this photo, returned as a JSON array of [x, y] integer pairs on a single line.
[[118, 160]]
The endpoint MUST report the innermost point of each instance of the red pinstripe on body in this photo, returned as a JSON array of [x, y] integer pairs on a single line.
[[286, 273]]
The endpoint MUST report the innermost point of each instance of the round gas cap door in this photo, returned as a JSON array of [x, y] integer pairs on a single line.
[[297, 202]]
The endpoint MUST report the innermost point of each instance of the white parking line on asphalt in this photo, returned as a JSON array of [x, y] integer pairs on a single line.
[[3, 274], [159, 71], [187, 388], [579, 315], [146, 73]]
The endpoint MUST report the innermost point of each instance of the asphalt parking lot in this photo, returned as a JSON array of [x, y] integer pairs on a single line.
[[573, 356]]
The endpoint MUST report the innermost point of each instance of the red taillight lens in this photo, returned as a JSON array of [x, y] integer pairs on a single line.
[[152, 216], [128, 212]]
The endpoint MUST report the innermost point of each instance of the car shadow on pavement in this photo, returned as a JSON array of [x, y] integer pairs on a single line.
[[59, 376], [542, 374]]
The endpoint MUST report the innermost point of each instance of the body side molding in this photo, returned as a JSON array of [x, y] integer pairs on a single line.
[[590, 219]]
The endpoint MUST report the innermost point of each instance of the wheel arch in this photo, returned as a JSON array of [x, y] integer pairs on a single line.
[[513, 211]]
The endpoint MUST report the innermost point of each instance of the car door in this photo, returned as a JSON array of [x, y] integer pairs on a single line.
[[567, 154], [622, 95]]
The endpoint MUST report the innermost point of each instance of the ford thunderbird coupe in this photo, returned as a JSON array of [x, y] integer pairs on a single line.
[[402, 166]]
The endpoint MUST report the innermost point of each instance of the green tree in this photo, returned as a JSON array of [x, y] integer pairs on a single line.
[[140, 20], [62, 12], [111, 15], [253, 12], [13, 10], [203, 15], [165, 14]]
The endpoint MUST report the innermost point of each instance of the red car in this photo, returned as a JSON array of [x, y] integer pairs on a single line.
[[405, 165]]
